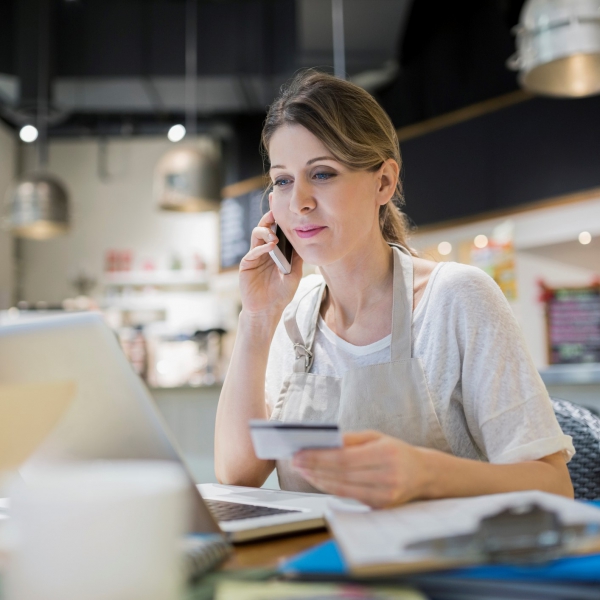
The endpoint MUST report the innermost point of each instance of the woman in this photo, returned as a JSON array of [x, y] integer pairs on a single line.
[[422, 364]]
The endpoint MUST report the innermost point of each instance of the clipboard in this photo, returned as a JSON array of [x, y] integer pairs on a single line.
[[515, 528]]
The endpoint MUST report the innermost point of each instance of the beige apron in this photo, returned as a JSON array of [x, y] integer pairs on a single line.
[[391, 397]]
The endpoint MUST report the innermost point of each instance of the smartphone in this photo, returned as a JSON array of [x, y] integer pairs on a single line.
[[282, 253]]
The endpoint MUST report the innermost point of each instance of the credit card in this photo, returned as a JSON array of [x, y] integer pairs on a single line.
[[275, 440]]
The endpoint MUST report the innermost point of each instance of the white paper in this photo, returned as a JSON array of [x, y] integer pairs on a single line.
[[381, 536]]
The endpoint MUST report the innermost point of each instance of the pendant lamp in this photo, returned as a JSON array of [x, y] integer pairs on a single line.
[[188, 178], [37, 207], [558, 47]]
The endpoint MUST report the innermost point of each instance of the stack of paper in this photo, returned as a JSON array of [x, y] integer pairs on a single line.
[[376, 542]]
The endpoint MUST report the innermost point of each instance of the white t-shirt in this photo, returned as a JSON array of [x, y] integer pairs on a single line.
[[488, 395]]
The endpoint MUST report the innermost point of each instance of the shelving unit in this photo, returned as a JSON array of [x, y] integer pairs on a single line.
[[156, 278]]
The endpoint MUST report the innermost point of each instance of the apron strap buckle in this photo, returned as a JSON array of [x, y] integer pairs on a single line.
[[302, 351]]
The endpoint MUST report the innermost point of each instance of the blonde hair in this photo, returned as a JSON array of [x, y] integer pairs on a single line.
[[353, 127]]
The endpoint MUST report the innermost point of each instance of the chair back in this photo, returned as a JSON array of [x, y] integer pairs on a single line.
[[584, 427]]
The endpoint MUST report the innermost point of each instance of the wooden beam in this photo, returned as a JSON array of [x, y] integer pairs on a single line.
[[462, 114], [243, 187]]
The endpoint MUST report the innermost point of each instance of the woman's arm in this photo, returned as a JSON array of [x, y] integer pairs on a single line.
[[243, 398], [265, 294], [383, 471]]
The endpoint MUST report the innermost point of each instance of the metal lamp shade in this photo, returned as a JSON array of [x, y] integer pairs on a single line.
[[37, 207], [188, 179], [558, 47]]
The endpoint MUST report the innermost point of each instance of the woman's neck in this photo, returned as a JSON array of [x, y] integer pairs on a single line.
[[359, 293]]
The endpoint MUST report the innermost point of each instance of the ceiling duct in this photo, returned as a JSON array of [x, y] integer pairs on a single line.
[[558, 47]]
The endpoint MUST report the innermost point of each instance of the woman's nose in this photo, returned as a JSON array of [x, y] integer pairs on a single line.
[[302, 200]]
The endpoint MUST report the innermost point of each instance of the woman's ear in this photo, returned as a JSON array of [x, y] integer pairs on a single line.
[[387, 180]]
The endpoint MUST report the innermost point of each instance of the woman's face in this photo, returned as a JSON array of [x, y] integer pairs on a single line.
[[326, 210]]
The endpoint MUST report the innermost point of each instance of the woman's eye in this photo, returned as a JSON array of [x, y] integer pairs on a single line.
[[281, 182], [324, 176]]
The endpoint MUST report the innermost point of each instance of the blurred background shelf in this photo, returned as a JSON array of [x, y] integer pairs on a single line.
[[578, 383], [585, 374], [156, 278]]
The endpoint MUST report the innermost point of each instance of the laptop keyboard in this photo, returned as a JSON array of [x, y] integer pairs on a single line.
[[234, 511]]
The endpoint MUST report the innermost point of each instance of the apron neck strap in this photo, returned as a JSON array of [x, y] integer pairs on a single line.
[[402, 310], [303, 349], [401, 344]]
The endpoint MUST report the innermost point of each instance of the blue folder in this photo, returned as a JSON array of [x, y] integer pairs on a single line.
[[326, 560]]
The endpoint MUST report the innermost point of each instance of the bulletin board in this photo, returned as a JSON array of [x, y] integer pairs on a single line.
[[573, 324], [242, 208]]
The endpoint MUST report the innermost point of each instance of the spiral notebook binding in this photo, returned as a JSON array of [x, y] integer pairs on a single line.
[[203, 552]]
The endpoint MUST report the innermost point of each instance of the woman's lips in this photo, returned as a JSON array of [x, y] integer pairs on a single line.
[[308, 233]]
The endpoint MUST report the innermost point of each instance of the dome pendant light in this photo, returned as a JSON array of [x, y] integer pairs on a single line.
[[37, 207], [558, 47], [188, 178]]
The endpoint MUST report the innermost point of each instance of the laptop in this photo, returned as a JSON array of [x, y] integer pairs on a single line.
[[114, 417]]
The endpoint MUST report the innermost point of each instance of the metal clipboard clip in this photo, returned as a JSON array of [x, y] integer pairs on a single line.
[[522, 534]]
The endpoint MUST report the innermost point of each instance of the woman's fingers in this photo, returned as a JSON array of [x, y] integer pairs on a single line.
[[377, 497], [262, 235], [256, 253], [338, 458], [368, 476], [367, 455], [267, 220], [361, 437]]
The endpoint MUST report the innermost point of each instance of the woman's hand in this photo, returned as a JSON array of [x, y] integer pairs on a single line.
[[265, 289], [383, 471], [376, 469]]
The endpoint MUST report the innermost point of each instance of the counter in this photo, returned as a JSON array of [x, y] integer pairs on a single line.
[[579, 383]]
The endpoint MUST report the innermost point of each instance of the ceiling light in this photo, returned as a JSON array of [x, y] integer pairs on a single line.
[[176, 133], [585, 237], [28, 134], [444, 248], [37, 207], [558, 47], [480, 241]]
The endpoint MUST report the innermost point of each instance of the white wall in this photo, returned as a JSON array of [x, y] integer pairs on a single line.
[[8, 152], [533, 229], [114, 211]]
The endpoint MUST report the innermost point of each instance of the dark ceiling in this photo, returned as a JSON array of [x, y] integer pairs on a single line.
[[119, 65], [117, 68]]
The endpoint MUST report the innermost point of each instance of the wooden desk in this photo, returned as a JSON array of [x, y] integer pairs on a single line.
[[268, 553]]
